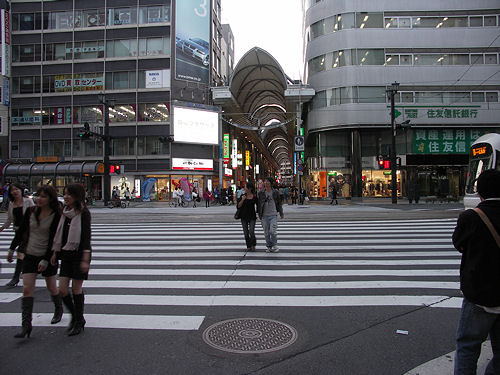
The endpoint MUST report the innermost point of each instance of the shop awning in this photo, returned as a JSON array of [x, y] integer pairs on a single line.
[[53, 169]]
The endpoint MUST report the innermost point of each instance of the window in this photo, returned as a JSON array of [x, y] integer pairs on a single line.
[[122, 113], [476, 21], [476, 59], [27, 85], [428, 97], [120, 80], [366, 20], [459, 59], [60, 20], [89, 50], [404, 22], [490, 58], [492, 97], [59, 51], [319, 100], [427, 21], [26, 21], [490, 20], [90, 17], [478, 97], [371, 94], [431, 59], [25, 116], [346, 21], [153, 112], [405, 60], [154, 14], [456, 97], [121, 48], [347, 57], [122, 16], [348, 95], [391, 22], [370, 57], [454, 21], [407, 97]]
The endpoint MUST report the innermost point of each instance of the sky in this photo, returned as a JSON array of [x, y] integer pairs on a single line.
[[273, 25]]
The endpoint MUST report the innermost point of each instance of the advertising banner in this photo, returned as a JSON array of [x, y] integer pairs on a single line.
[[195, 125], [6, 92], [192, 40], [225, 148], [5, 17], [156, 79], [444, 141], [192, 164]]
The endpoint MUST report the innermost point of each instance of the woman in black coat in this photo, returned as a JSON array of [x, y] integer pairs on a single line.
[[247, 204], [72, 247]]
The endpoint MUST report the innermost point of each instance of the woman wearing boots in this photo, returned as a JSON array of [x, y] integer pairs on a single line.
[[36, 235], [72, 247], [18, 205]]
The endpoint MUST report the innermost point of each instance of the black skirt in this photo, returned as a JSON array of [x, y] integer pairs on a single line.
[[70, 265]]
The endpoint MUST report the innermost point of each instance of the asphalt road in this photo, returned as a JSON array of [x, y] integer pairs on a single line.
[[365, 288]]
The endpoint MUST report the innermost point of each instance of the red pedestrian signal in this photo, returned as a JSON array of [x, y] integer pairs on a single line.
[[114, 169], [381, 164]]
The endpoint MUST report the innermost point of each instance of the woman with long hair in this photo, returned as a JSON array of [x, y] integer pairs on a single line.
[[18, 204], [247, 204], [36, 234], [72, 247]]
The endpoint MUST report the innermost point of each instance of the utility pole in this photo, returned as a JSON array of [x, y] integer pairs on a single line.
[[107, 147], [394, 184]]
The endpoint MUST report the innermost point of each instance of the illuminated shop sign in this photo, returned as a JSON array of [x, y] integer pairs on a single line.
[[196, 126], [444, 141], [192, 164]]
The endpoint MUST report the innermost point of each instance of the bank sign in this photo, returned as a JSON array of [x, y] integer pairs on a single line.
[[444, 141]]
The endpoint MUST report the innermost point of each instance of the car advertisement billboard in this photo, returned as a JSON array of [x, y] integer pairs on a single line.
[[192, 40], [195, 126]]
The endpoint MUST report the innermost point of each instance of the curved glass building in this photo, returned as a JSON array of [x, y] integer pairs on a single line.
[[444, 55]]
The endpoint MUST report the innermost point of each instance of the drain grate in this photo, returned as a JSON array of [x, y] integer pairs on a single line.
[[250, 335]]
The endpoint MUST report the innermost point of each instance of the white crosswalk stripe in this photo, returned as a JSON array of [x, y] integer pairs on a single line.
[[160, 270]]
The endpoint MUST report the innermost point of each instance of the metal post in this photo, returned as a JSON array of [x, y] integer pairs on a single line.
[[394, 184], [221, 159], [107, 151]]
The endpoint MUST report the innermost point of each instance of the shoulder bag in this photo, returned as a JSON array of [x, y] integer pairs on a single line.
[[487, 221]]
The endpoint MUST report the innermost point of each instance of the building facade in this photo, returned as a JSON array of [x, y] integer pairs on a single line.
[[145, 58], [445, 57]]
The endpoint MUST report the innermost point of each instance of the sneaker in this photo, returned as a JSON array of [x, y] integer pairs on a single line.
[[275, 249], [268, 249]]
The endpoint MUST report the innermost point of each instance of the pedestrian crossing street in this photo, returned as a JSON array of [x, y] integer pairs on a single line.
[[168, 276]]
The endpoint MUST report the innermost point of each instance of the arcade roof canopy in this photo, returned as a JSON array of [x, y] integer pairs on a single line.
[[262, 97]]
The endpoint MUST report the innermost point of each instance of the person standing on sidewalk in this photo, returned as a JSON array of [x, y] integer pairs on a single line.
[[36, 235], [479, 278], [247, 204], [18, 204], [72, 246], [269, 206]]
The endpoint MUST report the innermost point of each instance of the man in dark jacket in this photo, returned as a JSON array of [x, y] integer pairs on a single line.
[[269, 207], [479, 279]]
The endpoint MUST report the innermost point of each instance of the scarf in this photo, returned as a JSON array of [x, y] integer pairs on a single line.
[[75, 230]]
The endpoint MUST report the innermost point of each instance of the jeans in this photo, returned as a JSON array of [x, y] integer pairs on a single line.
[[473, 328], [270, 226], [249, 231]]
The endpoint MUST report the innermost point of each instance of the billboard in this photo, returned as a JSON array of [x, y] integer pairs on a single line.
[[5, 18], [195, 126], [192, 40], [192, 164]]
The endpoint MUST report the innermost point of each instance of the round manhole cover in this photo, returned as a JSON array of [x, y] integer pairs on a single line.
[[250, 335]]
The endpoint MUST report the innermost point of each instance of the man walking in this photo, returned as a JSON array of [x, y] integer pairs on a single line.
[[479, 278], [269, 207]]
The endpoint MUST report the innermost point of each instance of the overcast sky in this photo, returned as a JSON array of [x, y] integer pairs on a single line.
[[273, 25]]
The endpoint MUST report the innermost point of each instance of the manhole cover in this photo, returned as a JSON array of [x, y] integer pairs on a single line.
[[251, 335]]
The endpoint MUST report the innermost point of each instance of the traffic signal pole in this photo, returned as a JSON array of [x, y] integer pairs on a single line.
[[107, 151], [394, 180]]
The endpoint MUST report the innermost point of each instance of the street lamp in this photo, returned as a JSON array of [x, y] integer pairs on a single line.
[[392, 92], [107, 146]]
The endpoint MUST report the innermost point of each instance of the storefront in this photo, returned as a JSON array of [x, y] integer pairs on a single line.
[[163, 185]]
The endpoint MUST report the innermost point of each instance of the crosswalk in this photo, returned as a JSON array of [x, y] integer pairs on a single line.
[[167, 276]]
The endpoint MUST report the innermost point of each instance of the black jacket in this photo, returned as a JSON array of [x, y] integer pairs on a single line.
[[247, 209], [23, 234], [480, 265]]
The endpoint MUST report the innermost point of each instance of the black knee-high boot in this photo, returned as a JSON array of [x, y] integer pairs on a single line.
[[68, 302], [27, 311], [79, 324], [58, 309], [17, 273]]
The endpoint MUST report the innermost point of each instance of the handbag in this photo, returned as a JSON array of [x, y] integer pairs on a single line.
[[237, 214], [487, 221]]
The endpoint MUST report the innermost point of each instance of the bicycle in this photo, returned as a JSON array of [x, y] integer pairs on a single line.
[[116, 203], [175, 203]]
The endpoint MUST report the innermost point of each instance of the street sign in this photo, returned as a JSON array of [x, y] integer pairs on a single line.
[[298, 142], [300, 162], [300, 167]]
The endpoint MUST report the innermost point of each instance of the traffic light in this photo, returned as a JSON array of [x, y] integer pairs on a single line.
[[85, 132], [115, 169], [384, 162]]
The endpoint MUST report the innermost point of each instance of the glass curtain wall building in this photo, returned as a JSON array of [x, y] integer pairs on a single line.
[[443, 54], [65, 53]]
